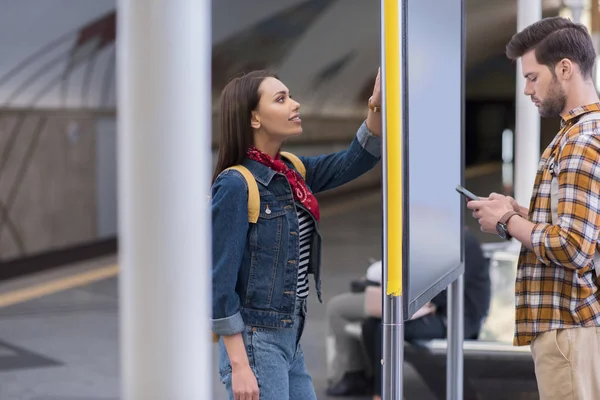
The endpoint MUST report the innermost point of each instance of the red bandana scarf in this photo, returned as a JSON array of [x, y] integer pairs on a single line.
[[299, 189]]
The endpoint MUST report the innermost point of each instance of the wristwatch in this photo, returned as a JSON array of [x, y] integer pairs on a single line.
[[502, 225], [374, 108]]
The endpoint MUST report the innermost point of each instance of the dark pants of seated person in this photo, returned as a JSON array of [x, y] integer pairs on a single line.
[[427, 327]]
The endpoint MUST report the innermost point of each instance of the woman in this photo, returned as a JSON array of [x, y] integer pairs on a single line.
[[260, 270]]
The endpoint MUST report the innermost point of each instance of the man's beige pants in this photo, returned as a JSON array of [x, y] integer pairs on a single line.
[[567, 364]]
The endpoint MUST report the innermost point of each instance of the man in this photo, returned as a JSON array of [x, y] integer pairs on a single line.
[[557, 289], [349, 361]]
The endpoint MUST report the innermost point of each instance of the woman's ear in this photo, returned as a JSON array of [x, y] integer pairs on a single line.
[[255, 121]]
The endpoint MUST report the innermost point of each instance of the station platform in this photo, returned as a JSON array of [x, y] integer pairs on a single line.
[[59, 329]]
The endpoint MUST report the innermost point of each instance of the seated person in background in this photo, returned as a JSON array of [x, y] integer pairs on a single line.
[[348, 367], [432, 325], [351, 368]]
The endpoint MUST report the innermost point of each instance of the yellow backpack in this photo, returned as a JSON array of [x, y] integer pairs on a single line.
[[254, 196]]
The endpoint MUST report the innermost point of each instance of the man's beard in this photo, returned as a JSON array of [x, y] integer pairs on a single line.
[[555, 101]]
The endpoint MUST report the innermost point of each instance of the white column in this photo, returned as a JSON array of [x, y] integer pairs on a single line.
[[164, 53], [527, 130], [595, 32], [507, 158], [576, 7]]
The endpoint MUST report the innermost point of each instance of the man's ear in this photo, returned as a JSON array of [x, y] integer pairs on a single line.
[[564, 69], [255, 121]]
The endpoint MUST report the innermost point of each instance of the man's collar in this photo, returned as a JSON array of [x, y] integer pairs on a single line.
[[576, 112]]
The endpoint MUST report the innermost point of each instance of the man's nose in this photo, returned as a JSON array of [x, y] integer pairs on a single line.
[[528, 89]]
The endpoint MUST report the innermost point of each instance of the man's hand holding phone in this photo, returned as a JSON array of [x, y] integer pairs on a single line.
[[477, 203]]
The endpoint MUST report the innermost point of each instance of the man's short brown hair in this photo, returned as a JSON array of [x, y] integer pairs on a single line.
[[554, 39]]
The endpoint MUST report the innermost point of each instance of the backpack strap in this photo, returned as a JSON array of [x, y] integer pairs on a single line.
[[253, 195], [296, 162]]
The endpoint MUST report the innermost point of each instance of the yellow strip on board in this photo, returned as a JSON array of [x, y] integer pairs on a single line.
[[394, 146]]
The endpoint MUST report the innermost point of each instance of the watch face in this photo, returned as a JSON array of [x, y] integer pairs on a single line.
[[501, 229]]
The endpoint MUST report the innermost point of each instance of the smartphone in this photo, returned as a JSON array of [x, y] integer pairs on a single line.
[[466, 193]]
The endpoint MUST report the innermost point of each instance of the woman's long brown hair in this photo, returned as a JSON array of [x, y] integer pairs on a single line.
[[238, 99]]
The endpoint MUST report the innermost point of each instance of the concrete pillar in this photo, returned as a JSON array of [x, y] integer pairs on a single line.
[[164, 53], [527, 130]]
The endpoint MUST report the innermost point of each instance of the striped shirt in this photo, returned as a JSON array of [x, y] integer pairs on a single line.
[[306, 225], [556, 285]]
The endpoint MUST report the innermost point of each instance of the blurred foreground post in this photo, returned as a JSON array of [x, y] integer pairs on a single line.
[[164, 53]]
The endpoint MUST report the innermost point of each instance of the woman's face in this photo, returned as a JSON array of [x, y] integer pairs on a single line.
[[277, 114]]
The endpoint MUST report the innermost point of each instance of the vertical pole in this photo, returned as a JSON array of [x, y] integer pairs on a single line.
[[164, 49], [454, 363], [393, 322], [527, 132], [455, 336]]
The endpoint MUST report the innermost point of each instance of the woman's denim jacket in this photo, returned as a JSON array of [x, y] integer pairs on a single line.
[[255, 266]]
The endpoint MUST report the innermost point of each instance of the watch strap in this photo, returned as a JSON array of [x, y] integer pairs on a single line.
[[504, 219]]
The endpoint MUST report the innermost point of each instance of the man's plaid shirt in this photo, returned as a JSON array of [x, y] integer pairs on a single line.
[[556, 284]]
